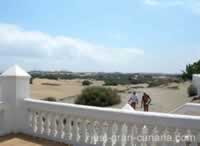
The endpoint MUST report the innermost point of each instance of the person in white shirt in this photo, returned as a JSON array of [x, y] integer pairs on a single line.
[[133, 100]]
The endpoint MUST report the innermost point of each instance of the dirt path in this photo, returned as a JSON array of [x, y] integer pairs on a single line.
[[163, 98]]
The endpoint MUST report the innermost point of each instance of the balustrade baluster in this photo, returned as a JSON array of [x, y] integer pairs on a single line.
[[139, 132], [144, 132], [95, 131], [194, 134], [172, 134], [155, 136], [129, 135], [188, 137], [53, 125], [82, 131], [135, 134], [160, 140], [74, 128], [38, 122], [68, 128], [180, 133], [78, 129], [109, 133], [148, 131], [91, 131], [198, 137], [183, 137], [30, 118], [100, 133], [41, 122], [168, 139], [34, 122], [118, 135], [47, 124], [60, 126]]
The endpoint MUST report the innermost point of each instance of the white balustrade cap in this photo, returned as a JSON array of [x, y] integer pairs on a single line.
[[15, 71], [196, 75], [128, 107]]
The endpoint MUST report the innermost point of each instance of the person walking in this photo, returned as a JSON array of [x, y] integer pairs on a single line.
[[133, 100], [146, 100]]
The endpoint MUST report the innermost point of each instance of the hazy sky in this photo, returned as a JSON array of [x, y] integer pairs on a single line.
[[100, 35]]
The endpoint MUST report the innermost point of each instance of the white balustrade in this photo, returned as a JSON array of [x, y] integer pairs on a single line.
[[188, 109], [78, 124]]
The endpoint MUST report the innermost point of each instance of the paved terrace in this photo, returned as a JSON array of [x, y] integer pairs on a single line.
[[25, 140]]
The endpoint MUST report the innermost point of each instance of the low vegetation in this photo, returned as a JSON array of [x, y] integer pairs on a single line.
[[51, 84], [53, 99], [156, 83], [86, 83], [111, 79], [98, 96], [192, 91], [110, 83]]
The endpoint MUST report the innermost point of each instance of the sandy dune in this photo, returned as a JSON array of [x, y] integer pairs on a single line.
[[65, 88], [163, 98]]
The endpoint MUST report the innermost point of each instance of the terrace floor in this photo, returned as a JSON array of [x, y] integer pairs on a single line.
[[24, 140]]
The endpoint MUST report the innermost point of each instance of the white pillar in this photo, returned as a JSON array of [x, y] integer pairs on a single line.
[[14, 89], [196, 82]]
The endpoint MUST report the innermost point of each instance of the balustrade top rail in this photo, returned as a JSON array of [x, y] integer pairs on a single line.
[[101, 114], [188, 108]]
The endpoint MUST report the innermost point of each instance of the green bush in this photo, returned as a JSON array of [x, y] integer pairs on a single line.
[[190, 70], [31, 80], [98, 96], [192, 91], [53, 99], [110, 83], [86, 83]]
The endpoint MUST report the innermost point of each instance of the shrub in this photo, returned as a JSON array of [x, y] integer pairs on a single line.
[[98, 96], [51, 84], [192, 91], [31, 80], [110, 83], [156, 83], [53, 99], [190, 70], [86, 83]]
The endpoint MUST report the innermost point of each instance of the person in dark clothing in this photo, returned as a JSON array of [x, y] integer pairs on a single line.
[[146, 100]]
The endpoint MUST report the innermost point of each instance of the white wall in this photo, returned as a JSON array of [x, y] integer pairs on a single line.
[[196, 82]]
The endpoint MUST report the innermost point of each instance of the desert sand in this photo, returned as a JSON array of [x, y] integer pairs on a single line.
[[164, 99]]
